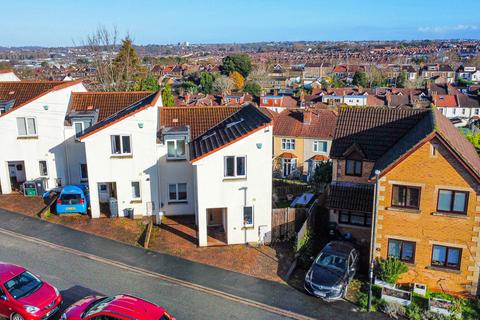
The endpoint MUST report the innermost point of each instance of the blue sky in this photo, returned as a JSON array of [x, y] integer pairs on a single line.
[[65, 22]]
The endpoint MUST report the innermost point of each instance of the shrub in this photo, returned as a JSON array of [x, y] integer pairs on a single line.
[[390, 269], [413, 312], [429, 315], [392, 309]]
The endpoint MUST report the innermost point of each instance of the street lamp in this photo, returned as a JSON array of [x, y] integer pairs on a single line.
[[372, 240]]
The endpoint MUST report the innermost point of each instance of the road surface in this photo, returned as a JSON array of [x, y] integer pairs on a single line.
[[77, 276]]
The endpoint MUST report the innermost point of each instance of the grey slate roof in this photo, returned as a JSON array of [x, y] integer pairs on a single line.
[[351, 196], [237, 125]]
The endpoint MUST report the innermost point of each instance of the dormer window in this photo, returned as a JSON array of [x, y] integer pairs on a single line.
[[176, 149], [353, 167], [80, 127]]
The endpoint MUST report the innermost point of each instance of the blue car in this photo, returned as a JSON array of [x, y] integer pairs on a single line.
[[73, 199]]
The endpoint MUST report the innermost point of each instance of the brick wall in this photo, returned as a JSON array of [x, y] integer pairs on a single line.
[[431, 172]]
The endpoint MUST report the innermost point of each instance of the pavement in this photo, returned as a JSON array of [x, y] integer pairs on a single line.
[[85, 262]]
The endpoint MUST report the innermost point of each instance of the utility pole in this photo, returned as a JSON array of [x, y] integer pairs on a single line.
[[372, 240]]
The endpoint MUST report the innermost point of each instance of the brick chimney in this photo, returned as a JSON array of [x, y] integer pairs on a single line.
[[307, 116]]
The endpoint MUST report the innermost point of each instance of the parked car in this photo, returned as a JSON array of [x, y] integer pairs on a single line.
[[121, 307], [72, 199], [23, 296], [332, 271]]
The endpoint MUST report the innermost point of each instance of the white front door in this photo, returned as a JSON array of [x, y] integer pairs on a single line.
[[288, 166]]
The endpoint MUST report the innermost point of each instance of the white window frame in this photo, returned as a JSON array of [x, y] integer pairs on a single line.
[[175, 142], [292, 163], [253, 216], [40, 169], [121, 145], [288, 144], [74, 123], [235, 173], [28, 134], [177, 192], [133, 196], [316, 145]]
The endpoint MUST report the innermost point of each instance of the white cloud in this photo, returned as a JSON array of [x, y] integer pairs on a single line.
[[447, 29]]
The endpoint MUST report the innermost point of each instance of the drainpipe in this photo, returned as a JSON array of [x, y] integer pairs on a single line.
[[372, 240]]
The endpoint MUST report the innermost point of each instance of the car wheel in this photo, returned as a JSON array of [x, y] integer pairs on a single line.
[[16, 316]]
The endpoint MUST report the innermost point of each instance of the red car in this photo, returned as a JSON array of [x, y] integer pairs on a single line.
[[121, 307], [23, 296]]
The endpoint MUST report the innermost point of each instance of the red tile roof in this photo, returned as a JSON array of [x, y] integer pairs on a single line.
[[107, 103], [200, 119], [444, 101], [287, 155], [26, 91], [319, 157], [6, 71], [293, 123]]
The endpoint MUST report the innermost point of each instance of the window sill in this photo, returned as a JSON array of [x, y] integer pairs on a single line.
[[27, 137], [450, 215], [121, 156], [136, 201], [234, 178], [177, 202], [408, 210], [176, 159], [248, 228], [443, 269]]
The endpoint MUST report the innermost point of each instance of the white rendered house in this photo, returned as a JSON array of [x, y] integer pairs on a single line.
[[32, 115], [210, 162]]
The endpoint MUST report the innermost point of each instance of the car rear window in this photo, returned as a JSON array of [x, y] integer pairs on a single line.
[[70, 198]]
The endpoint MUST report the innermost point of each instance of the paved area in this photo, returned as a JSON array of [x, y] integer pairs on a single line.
[[230, 283]]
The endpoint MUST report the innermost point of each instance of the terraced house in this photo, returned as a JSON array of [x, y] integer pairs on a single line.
[[302, 139], [428, 195]]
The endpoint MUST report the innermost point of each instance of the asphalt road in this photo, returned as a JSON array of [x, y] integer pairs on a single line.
[[77, 276]]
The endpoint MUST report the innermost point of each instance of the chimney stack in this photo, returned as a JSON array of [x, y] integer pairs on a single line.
[[307, 117]]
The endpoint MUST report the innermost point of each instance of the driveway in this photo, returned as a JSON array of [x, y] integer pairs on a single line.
[[274, 298]]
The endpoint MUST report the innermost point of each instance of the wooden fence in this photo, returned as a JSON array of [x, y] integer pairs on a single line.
[[286, 222]]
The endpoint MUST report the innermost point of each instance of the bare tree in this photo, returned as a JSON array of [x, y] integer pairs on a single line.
[[102, 45], [223, 84]]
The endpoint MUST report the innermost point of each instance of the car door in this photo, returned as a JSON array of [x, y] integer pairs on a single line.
[[5, 309]]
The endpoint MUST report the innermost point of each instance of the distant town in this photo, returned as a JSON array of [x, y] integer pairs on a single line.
[[274, 180]]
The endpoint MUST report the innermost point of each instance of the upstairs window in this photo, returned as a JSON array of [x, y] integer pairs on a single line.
[[288, 144], [319, 146], [121, 145], [176, 149], [235, 167], [27, 126], [452, 201], [406, 197], [81, 126], [353, 168]]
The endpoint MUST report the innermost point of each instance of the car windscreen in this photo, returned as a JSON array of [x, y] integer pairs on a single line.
[[22, 285], [70, 198], [331, 260], [96, 306]]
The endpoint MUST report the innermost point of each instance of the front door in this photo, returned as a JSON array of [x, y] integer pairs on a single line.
[[288, 167]]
